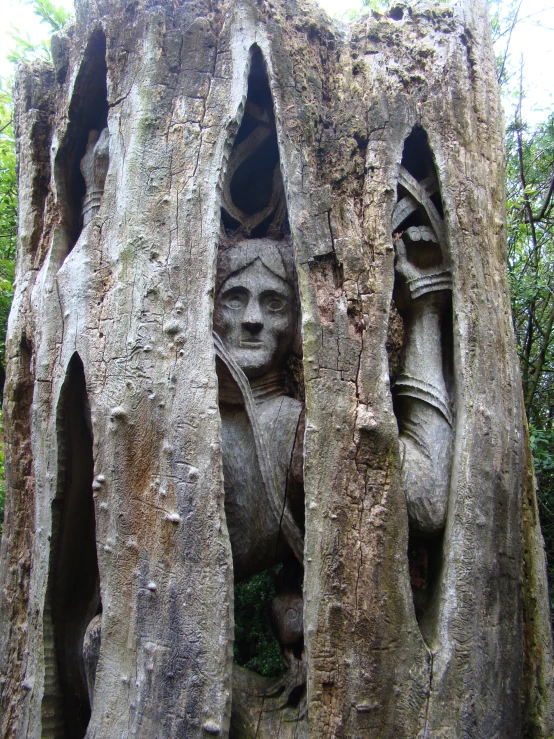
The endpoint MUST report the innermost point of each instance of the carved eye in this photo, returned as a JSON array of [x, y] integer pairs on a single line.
[[275, 304], [235, 301]]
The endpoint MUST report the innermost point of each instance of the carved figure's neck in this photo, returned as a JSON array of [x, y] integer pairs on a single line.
[[263, 388], [269, 386]]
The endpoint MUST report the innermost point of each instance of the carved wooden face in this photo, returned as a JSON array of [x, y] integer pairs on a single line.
[[255, 317]]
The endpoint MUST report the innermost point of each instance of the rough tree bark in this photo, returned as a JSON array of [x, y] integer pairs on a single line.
[[112, 392]]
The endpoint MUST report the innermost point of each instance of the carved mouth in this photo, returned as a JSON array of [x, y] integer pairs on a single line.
[[251, 343]]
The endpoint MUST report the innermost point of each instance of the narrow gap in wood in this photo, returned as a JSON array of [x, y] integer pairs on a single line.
[[261, 400], [73, 589], [420, 347], [88, 118]]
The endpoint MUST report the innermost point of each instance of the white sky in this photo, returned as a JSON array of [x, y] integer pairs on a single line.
[[532, 41]]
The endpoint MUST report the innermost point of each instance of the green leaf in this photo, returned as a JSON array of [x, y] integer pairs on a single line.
[[52, 15]]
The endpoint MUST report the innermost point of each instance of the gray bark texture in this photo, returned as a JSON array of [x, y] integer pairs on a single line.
[[112, 422]]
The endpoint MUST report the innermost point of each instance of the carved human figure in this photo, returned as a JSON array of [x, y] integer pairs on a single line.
[[422, 402], [94, 168], [256, 330]]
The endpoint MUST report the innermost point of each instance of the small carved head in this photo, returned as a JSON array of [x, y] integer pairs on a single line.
[[256, 311]]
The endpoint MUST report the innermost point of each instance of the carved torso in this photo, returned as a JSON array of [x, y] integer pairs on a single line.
[[256, 537]]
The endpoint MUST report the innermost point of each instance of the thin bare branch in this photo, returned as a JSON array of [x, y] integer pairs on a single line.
[[512, 26], [541, 214]]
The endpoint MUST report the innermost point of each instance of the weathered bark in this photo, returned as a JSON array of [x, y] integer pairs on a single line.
[[130, 295]]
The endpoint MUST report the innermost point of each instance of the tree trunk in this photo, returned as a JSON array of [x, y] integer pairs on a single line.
[[424, 587]]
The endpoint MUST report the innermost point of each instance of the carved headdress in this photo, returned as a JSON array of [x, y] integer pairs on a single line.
[[277, 256]]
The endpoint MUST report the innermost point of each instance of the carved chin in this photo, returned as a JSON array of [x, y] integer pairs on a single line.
[[254, 360]]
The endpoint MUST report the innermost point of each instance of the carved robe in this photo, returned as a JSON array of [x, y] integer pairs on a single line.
[[257, 537]]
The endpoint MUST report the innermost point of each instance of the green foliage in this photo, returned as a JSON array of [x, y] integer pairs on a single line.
[[8, 210], [23, 48], [530, 220], [353, 14], [542, 445], [52, 15], [2, 476], [8, 234], [530, 184], [255, 645], [378, 5], [530, 163]]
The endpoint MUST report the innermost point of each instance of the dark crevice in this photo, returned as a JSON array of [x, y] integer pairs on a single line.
[[425, 563], [467, 40], [41, 139], [296, 695], [437, 202], [88, 111], [230, 224], [396, 13], [362, 141], [73, 594], [395, 343], [254, 181], [420, 350], [255, 234], [417, 158], [447, 341]]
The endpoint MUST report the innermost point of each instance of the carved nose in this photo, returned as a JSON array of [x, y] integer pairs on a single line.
[[253, 320], [252, 326]]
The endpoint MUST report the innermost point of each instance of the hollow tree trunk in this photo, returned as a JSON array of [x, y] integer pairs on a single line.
[[424, 595]]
